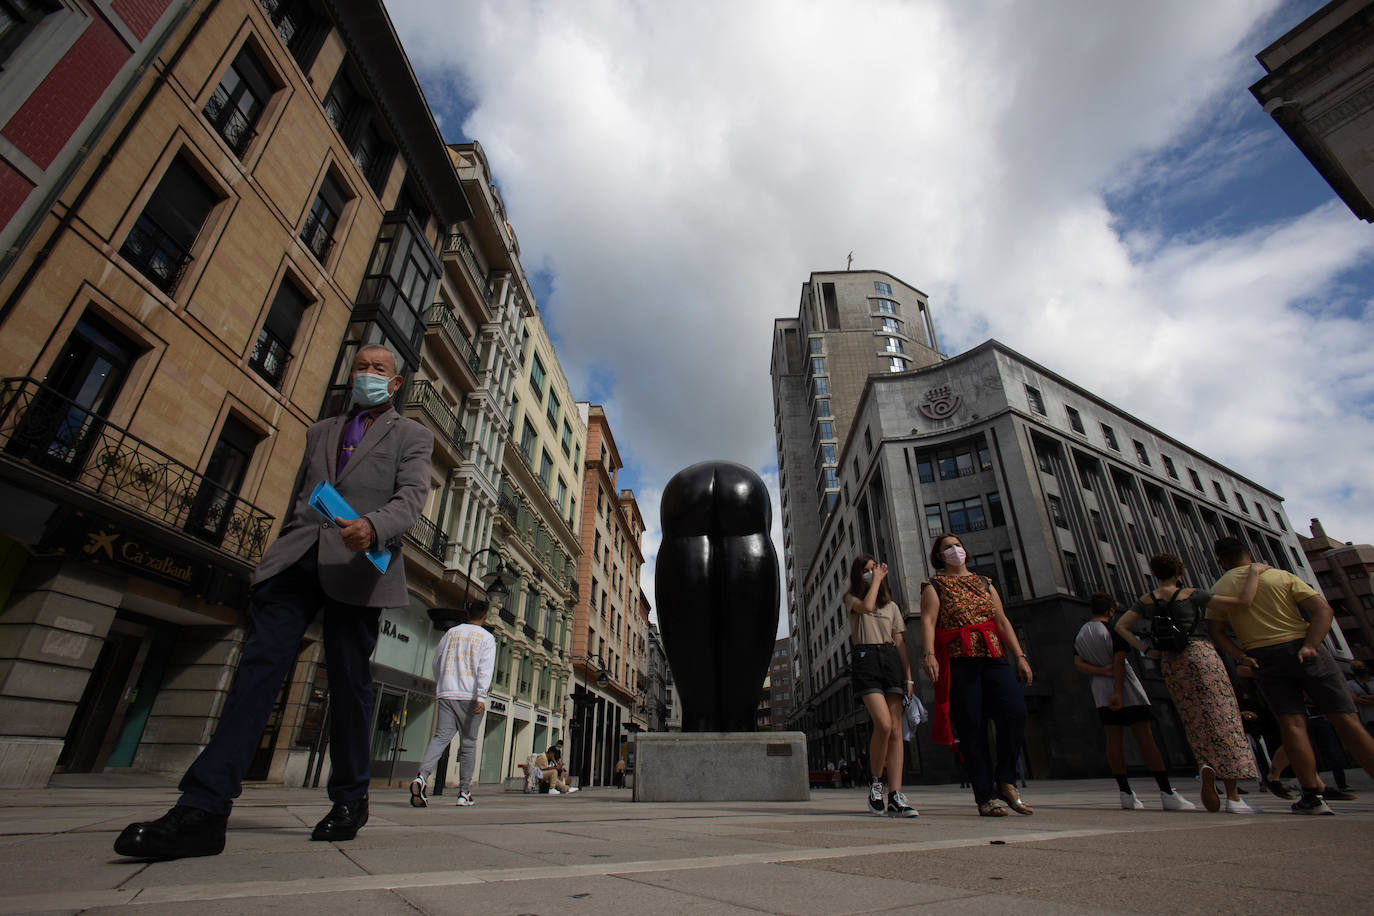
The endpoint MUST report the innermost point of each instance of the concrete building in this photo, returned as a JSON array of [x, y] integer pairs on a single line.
[[268, 196], [537, 535], [656, 692], [1345, 575], [1056, 494], [1319, 87], [605, 688], [781, 680], [849, 325]]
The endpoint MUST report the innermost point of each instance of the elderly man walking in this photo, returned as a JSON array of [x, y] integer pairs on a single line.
[[379, 462]]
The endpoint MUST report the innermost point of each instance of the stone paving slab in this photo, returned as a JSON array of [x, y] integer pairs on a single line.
[[599, 853]]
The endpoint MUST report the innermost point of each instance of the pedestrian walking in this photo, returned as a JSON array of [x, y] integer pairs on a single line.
[[463, 666], [1196, 678], [1287, 651], [1100, 653], [967, 640], [881, 678], [379, 463]]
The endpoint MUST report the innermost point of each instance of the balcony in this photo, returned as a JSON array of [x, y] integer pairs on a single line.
[[440, 316], [424, 398], [155, 254], [459, 244], [427, 536], [229, 121], [317, 237], [42, 429], [270, 357], [509, 504]]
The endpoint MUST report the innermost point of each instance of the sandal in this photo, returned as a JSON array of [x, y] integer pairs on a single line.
[[1013, 799], [993, 807]]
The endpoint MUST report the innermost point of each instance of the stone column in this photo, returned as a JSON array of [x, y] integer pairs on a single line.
[[51, 633]]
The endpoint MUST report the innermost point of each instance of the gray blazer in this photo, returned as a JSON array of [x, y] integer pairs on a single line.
[[386, 481]]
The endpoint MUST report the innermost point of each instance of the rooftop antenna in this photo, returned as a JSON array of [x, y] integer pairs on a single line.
[[849, 261]]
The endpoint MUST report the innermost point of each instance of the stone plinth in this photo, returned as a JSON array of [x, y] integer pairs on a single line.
[[720, 766]]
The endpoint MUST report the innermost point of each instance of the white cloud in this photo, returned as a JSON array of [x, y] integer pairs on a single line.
[[682, 168]]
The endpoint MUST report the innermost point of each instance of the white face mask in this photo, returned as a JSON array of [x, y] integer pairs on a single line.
[[954, 555], [868, 577]]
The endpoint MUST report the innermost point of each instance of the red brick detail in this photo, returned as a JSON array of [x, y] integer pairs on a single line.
[[49, 117], [140, 15], [14, 189]]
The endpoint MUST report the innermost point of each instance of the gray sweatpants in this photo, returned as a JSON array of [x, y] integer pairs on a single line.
[[459, 716]]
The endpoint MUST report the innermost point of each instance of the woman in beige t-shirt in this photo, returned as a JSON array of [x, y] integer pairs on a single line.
[[881, 677]]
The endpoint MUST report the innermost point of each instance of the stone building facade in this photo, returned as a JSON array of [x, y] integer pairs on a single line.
[[606, 655], [1345, 575], [1319, 87], [265, 198]]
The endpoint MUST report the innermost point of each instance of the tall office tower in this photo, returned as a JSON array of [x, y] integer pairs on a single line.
[[849, 325]]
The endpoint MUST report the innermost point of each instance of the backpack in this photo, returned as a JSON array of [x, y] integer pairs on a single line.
[[1169, 633]]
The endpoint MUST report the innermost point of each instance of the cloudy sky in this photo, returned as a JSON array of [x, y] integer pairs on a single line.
[[1089, 182]]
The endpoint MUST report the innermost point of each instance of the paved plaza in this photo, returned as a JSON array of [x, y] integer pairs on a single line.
[[598, 853]]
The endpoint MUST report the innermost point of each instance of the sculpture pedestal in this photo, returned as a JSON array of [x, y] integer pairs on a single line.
[[720, 766]]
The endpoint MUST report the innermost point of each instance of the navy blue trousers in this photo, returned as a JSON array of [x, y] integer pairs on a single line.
[[280, 610], [982, 689]]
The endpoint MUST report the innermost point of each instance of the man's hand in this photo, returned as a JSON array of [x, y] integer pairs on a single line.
[[479, 707], [1114, 702], [357, 533], [1306, 653], [1248, 662]]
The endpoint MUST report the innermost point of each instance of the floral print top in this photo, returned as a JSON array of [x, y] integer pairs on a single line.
[[965, 600]]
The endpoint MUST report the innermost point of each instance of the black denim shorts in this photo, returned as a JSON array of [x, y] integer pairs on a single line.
[[877, 668], [1283, 680]]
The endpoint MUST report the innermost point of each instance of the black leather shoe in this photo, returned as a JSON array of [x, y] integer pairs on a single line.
[[342, 822], [181, 833]]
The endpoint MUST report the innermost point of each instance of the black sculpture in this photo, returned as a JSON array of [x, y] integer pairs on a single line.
[[716, 584]]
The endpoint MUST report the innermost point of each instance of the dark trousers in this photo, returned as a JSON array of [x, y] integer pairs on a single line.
[[280, 610], [982, 689]]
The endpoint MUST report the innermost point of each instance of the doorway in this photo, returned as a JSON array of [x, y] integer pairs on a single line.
[[110, 692]]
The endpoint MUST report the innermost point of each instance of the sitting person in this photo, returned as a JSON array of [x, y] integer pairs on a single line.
[[552, 771]]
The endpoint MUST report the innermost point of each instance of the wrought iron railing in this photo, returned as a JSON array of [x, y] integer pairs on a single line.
[[271, 355], [509, 505], [441, 316], [425, 397], [317, 236], [48, 431], [156, 254], [457, 242], [229, 121], [427, 536]]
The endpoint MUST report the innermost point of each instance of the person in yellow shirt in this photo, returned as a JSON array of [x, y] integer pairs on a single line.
[[1289, 659]]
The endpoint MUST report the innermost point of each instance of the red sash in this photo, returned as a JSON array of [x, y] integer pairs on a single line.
[[940, 727]]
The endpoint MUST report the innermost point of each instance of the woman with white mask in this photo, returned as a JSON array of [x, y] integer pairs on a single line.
[[969, 644], [881, 677]]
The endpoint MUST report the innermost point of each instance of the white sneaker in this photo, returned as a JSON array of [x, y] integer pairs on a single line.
[[465, 799], [572, 789], [1239, 806], [1172, 801], [553, 791], [417, 793], [1130, 803]]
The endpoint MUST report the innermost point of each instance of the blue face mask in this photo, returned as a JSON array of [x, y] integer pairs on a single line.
[[370, 390]]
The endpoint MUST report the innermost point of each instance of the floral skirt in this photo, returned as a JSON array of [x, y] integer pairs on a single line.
[[1202, 693]]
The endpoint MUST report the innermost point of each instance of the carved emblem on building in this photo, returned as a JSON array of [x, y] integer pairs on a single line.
[[941, 403]]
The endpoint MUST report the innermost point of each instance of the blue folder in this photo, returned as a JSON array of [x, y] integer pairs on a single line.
[[326, 500]]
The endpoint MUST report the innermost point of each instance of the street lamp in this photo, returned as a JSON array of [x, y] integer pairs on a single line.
[[496, 592]]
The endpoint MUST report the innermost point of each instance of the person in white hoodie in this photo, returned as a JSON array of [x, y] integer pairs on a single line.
[[463, 667]]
